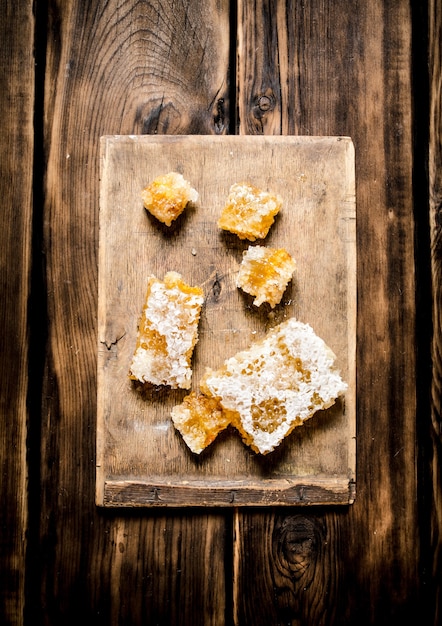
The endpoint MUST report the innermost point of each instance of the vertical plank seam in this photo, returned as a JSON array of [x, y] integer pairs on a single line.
[[37, 322], [233, 69], [433, 510], [424, 291]]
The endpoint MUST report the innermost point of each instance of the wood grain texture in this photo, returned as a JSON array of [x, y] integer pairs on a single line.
[[16, 146], [127, 67], [435, 194], [328, 72], [303, 570], [166, 571], [114, 67], [228, 493]]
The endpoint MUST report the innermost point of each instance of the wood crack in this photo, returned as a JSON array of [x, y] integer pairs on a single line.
[[110, 345]]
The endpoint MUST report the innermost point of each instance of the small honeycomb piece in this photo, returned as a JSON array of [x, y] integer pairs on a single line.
[[249, 212], [167, 196], [199, 419], [167, 333], [265, 273]]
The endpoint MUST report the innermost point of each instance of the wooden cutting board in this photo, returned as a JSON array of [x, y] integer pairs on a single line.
[[141, 459]]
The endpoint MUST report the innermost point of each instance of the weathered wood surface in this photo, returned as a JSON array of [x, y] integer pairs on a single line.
[[311, 68], [16, 147], [435, 202], [114, 68], [346, 68], [136, 439]]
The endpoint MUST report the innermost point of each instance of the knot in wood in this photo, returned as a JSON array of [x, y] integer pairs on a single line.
[[216, 288], [264, 103], [297, 543]]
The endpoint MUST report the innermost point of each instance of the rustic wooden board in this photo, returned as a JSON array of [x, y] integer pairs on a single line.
[[19, 356], [435, 205], [141, 459]]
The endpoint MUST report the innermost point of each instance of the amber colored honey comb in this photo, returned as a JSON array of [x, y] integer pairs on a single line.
[[167, 196], [265, 273], [200, 419], [249, 212], [167, 333]]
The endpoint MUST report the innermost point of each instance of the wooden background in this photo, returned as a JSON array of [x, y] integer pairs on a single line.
[[73, 71]]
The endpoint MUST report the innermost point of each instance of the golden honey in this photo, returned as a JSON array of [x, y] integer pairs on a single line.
[[249, 212]]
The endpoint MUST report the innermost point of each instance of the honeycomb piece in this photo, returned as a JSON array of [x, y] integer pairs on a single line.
[[167, 196], [167, 333], [276, 384], [249, 212], [265, 273], [199, 419]]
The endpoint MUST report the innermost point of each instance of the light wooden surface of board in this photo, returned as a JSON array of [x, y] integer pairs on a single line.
[[141, 459]]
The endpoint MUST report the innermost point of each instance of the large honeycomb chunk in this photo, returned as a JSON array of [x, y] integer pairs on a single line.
[[167, 333], [167, 196], [265, 273], [199, 419], [276, 384], [249, 212]]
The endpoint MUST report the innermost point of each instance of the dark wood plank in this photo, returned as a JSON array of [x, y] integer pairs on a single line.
[[435, 193], [115, 68], [16, 146], [344, 68], [303, 570]]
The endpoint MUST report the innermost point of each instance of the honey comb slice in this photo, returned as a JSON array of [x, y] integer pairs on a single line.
[[199, 420], [167, 333], [167, 196], [265, 273], [249, 212], [276, 384]]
